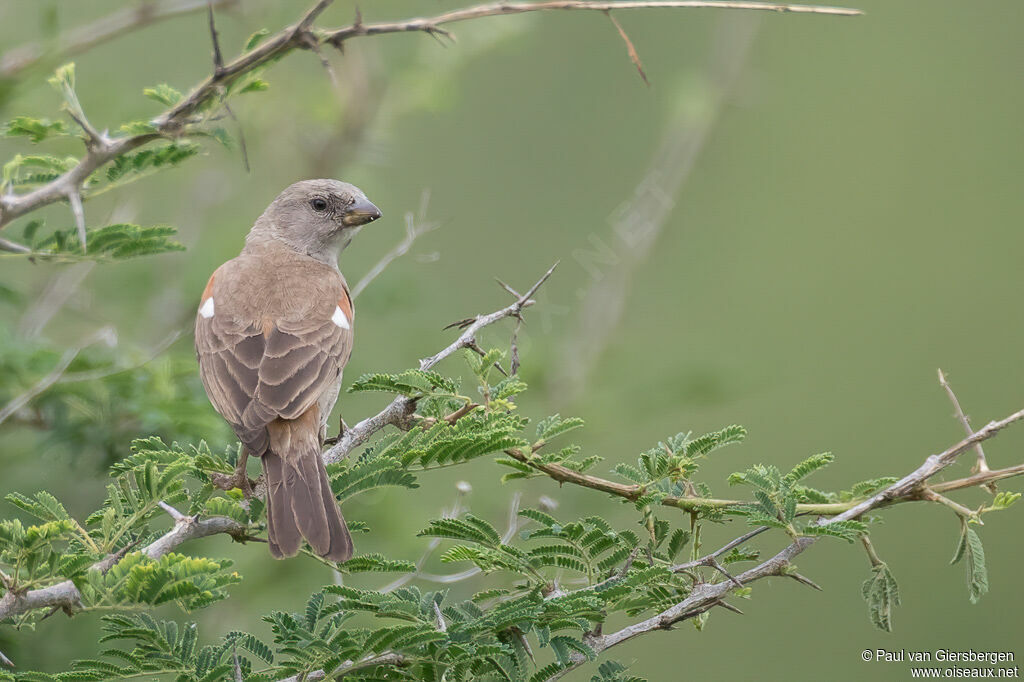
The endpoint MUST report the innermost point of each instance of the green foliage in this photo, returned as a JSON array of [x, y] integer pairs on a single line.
[[970, 547], [560, 581], [164, 94], [882, 594], [29, 171], [112, 242], [412, 383], [256, 38], [105, 398], [35, 129], [134, 165]]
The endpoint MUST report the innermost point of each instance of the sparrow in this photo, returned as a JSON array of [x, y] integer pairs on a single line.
[[274, 331]]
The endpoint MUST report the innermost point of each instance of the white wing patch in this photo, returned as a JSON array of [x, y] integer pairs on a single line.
[[337, 318], [207, 309]]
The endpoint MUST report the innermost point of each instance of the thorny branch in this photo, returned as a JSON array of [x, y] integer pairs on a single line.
[[706, 596], [176, 121], [702, 598], [982, 464], [399, 411], [66, 596]]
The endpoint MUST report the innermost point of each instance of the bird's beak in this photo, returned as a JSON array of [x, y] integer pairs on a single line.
[[360, 213]]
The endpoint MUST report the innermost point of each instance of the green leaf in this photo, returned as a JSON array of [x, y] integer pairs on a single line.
[[411, 383], [376, 563], [970, 547], [164, 94], [845, 530], [254, 85], [35, 129], [256, 38], [112, 242], [882, 595], [809, 466]]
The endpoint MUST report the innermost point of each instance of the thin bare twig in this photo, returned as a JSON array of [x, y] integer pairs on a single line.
[[179, 117], [58, 290], [6, 661], [82, 38], [105, 334], [416, 226], [634, 56], [639, 220], [981, 465], [400, 410]]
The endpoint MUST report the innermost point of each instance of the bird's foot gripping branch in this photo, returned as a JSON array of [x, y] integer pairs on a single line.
[[554, 593]]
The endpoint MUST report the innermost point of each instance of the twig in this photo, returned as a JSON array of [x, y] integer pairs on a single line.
[[961, 511], [237, 664], [414, 228], [176, 119], [78, 211], [82, 38], [642, 216], [104, 334], [58, 290], [705, 596], [634, 56], [6, 661], [66, 595], [175, 514], [399, 411], [441, 625], [982, 464], [13, 247], [387, 658], [461, 491], [432, 25]]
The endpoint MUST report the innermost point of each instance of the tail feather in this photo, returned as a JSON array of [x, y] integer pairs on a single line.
[[300, 503]]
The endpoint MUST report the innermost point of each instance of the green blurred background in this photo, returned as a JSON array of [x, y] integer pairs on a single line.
[[796, 223]]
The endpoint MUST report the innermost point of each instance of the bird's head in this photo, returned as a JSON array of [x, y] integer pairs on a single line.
[[316, 217]]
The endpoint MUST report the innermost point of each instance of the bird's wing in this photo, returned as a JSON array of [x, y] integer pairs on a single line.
[[258, 366]]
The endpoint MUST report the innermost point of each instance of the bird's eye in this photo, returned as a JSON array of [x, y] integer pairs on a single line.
[[318, 204]]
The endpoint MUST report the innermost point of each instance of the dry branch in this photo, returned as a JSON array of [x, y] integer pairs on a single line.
[[101, 150]]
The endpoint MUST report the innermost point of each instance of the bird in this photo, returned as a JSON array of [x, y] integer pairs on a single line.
[[273, 333]]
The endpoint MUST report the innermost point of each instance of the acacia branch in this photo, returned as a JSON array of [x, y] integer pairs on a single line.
[[65, 595], [400, 410], [177, 120], [905, 493], [706, 596]]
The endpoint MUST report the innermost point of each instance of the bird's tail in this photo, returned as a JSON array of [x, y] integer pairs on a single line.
[[300, 503]]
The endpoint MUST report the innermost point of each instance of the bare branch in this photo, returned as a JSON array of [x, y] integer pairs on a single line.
[[78, 211], [105, 334], [638, 222], [415, 227], [13, 247], [432, 25], [176, 119], [982, 464], [634, 56], [113, 25], [400, 410]]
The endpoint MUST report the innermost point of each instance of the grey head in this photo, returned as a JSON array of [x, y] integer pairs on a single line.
[[315, 217]]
